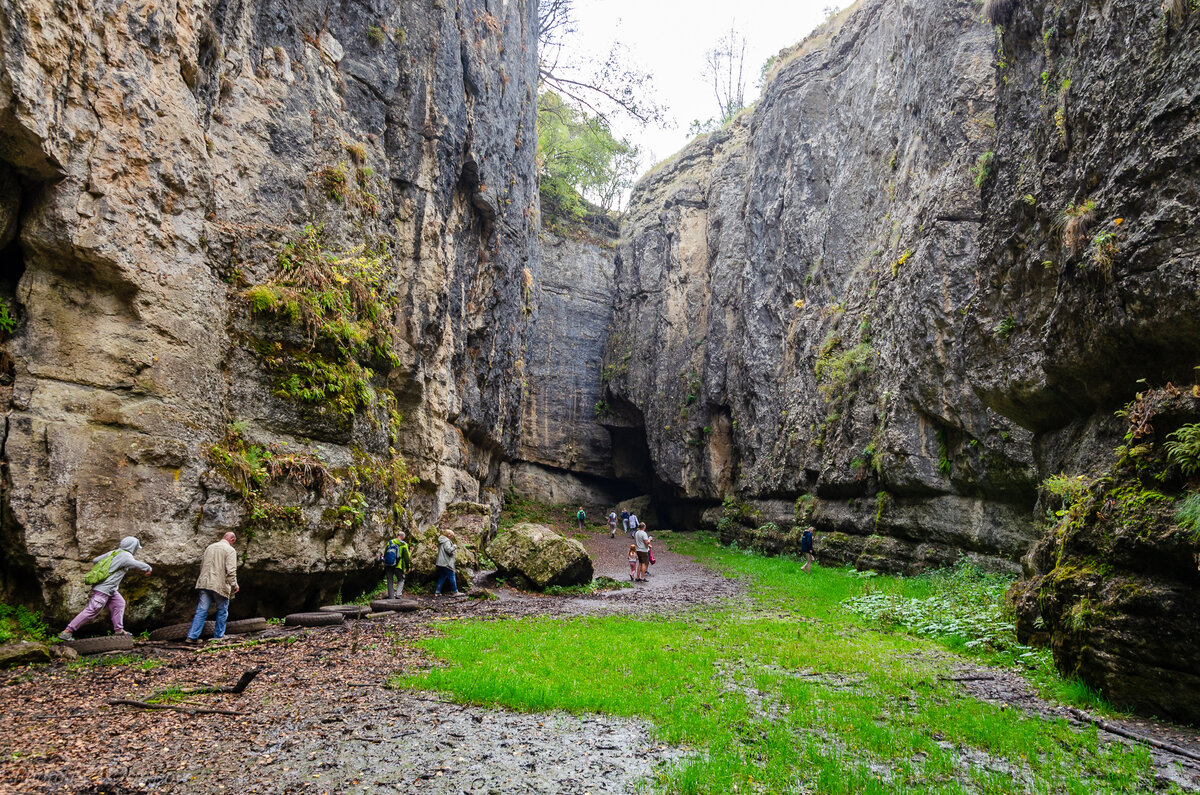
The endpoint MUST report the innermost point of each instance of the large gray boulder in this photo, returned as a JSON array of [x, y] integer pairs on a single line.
[[537, 555]]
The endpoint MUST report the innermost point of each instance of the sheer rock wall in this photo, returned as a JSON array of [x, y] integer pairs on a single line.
[[565, 454], [159, 158], [801, 281]]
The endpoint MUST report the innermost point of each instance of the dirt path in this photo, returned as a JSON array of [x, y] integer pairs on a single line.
[[318, 719]]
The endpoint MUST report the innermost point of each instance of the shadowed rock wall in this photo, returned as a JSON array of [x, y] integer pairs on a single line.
[[175, 334], [1090, 253]]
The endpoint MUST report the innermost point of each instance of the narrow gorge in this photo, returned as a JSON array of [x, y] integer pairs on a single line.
[[282, 269]]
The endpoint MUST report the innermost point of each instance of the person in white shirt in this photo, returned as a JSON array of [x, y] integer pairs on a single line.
[[641, 542]]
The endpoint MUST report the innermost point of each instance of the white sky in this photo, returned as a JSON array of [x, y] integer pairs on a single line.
[[669, 39]]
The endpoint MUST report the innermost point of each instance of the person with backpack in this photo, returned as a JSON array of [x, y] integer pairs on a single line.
[[625, 522], [806, 549], [580, 516], [217, 584], [612, 524], [108, 570], [396, 559]]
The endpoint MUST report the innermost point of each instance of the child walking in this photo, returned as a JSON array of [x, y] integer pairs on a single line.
[[633, 561]]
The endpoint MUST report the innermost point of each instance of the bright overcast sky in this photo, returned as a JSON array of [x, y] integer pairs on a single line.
[[669, 40]]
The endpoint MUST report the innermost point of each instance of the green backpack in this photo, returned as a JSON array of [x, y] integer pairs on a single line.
[[99, 572]]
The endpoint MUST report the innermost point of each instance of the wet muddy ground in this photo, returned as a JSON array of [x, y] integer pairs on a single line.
[[319, 720]]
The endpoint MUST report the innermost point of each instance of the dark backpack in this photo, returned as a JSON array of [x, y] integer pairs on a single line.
[[391, 554]]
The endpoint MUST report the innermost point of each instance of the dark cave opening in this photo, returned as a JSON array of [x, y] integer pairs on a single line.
[[633, 466]]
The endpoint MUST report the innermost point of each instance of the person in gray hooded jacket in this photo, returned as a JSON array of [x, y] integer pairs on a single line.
[[106, 594]]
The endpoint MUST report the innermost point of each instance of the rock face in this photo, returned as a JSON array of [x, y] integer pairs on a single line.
[[914, 282], [539, 557], [565, 453], [800, 281], [1090, 254], [267, 273]]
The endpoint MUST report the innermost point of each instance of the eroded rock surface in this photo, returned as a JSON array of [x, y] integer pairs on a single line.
[[270, 272], [800, 280]]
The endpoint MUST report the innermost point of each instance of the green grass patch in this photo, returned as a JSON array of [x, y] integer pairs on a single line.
[[113, 660], [794, 693], [595, 586]]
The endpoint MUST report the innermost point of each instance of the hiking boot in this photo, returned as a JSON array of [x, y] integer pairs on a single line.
[[64, 635], [193, 642], [123, 634], [458, 595]]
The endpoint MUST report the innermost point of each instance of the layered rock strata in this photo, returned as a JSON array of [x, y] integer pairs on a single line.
[[267, 277], [798, 285], [566, 454]]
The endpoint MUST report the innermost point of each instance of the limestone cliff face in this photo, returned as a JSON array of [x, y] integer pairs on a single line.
[[565, 453], [798, 285], [1090, 253], [916, 281], [267, 269]]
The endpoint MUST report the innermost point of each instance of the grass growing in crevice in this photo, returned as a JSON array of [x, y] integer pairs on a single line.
[[791, 693]]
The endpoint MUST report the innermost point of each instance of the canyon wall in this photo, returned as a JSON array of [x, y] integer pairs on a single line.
[[913, 284], [801, 281], [265, 263], [565, 454], [1090, 256]]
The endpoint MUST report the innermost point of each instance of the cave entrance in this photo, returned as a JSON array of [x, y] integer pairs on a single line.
[[633, 467]]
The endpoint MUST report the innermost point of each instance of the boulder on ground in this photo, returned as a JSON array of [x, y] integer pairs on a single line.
[[14, 655], [537, 555]]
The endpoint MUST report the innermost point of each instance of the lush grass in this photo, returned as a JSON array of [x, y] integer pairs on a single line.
[[795, 694]]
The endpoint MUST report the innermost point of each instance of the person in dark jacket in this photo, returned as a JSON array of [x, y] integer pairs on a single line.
[[806, 548], [105, 593]]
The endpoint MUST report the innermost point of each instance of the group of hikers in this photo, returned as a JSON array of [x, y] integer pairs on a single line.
[[641, 553], [217, 583]]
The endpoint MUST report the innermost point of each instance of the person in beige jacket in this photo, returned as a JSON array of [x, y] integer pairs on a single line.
[[217, 584]]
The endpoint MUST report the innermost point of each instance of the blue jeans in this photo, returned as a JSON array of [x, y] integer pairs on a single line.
[[208, 597], [443, 575]]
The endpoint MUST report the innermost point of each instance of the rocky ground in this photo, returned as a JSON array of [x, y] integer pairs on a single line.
[[318, 719]]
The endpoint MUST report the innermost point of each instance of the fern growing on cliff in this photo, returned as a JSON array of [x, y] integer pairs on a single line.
[[1183, 448]]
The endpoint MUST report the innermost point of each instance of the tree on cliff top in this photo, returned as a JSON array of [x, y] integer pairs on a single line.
[[601, 88], [579, 158], [724, 68]]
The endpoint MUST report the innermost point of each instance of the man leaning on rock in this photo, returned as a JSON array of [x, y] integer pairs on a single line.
[[217, 584]]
